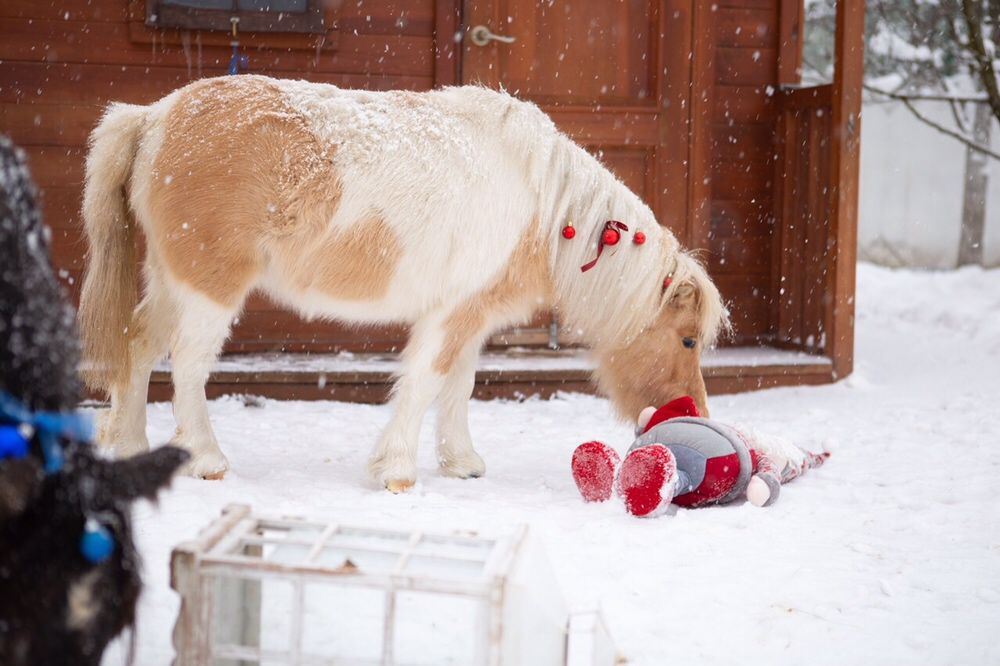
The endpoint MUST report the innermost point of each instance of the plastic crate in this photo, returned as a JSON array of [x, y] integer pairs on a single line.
[[272, 591]]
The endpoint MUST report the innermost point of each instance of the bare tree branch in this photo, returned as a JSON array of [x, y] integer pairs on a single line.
[[957, 114], [931, 123], [918, 97], [944, 130]]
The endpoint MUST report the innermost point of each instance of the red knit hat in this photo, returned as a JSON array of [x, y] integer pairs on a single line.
[[683, 406]]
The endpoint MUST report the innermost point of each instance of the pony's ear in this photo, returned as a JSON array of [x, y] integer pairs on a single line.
[[144, 475], [685, 296], [688, 287], [680, 295]]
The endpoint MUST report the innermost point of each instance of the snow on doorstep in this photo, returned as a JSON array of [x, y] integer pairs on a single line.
[[759, 356], [520, 360], [888, 554]]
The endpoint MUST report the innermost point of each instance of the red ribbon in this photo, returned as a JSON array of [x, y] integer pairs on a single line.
[[610, 224]]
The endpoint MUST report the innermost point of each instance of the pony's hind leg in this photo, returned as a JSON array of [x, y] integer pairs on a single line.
[[456, 455], [203, 326], [122, 428]]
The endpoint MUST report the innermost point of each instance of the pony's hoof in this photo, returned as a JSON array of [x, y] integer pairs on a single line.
[[393, 474], [467, 466], [398, 486], [210, 465]]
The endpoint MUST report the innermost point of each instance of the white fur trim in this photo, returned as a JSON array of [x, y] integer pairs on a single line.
[[779, 449]]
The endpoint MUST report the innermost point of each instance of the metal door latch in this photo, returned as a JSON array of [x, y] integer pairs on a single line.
[[481, 36]]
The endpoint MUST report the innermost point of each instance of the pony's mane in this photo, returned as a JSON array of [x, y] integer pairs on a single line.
[[622, 295]]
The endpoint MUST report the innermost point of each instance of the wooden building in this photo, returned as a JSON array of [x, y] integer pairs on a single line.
[[694, 104]]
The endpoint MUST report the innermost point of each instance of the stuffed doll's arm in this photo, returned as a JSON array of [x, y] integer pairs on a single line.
[[770, 472], [765, 484]]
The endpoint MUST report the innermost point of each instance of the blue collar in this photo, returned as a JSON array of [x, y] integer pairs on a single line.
[[18, 424]]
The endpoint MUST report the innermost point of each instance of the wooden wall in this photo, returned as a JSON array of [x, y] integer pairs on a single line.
[[61, 62]]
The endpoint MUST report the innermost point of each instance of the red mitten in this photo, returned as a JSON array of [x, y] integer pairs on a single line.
[[594, 465], [647, 480]]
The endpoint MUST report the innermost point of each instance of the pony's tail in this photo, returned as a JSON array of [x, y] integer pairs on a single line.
[[109, 293]]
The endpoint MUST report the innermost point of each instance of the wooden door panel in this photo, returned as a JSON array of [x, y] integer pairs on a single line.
[[607, 126], [632, 165], [574, 51]]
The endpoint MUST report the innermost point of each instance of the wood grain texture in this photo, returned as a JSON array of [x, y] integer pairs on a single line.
[[745, 27], [845, 158], [673, 159], [790, 41], [703, 84], [103, 43], [447, 53], [743, 104]]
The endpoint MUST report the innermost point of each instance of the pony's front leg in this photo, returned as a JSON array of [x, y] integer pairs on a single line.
[[394, 461], [456, 455]]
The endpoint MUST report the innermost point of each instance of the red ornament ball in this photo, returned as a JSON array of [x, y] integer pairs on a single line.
[[568, 232], [611, 237], [639, 238]]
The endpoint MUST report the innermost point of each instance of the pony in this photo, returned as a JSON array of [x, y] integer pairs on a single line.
[[69, 570], [442, 210]]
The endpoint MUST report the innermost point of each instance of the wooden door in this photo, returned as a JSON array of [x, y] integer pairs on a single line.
[[613, 75], [601, 71]]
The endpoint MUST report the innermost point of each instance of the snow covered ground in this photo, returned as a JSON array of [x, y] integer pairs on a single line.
[[890, 554]]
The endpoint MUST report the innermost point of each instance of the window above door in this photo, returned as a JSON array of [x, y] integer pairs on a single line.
[[301, 16]]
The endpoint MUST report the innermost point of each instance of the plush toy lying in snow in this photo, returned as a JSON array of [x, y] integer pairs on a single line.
[[682, 458]]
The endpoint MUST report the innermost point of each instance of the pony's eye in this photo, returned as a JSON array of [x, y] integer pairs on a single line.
[[689, 342]]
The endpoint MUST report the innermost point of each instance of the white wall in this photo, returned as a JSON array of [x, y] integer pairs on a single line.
[[911, 189]]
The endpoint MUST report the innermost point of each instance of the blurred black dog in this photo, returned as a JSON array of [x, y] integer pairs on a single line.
[[69, 571]]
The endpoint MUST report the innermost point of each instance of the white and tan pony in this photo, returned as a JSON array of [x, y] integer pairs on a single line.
[[441, 210]]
